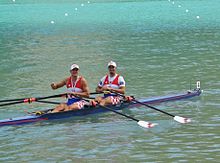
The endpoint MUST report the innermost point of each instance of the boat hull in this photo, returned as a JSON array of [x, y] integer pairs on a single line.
[[94, 110]]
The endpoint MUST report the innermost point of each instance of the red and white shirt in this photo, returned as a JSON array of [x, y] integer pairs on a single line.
[[115, 82], [74, 86]]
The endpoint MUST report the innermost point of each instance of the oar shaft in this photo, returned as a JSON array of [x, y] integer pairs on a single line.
[[41, 98], [48, 102], [127, 116], [10, 100], [53, 96], [30, 100], [153, 108], [12, 103], [176, 118], [139, 122], [38, 98], [108, 108]]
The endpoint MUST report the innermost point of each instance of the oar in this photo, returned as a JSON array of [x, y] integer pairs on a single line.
[[176, 118], [48, 102], [19, 102], [41, 98], [12, 103], [9, 100], [139, 122], [29, 100]]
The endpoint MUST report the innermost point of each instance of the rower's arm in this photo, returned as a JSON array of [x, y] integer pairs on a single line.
[[121, 90], [59, 84], [98, 89]]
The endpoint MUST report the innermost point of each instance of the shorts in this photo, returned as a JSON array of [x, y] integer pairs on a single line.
[[80, 103], [115, 99]]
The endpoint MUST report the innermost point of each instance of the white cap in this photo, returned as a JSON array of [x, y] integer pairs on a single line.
[[111, 63], [74, 66]]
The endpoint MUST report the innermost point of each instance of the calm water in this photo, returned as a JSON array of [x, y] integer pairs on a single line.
[[160, 48]]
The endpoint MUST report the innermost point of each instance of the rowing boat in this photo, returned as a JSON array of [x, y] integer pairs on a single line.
[[88, 110]]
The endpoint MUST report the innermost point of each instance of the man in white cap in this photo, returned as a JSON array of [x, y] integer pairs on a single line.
[[76, 85], [111, 82]]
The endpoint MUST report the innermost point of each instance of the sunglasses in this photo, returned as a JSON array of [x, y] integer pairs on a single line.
[[75, 69], [111, 67]]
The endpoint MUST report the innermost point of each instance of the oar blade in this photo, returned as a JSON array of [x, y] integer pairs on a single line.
[[145, 124], [182, 119]]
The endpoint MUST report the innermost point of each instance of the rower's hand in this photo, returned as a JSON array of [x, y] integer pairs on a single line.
[[93, 103], [106, 88], [53, 86], [72, 94], [106, 92], [110, 89], [129, 98]]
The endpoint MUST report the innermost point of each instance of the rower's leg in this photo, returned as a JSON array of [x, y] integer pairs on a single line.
[[106, 101], [100, 100], [72, 107], [59, 108], [111, 100], [76, 106]]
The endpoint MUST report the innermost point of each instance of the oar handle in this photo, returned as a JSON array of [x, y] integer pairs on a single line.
[[95, 93]]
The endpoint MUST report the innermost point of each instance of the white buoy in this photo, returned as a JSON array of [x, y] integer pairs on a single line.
[[197, 17], [52, 22], [187, 10], [76, 9], [13, 0], [82, 4], [173, 2], [66, 14], [88, 2], [179, 6]]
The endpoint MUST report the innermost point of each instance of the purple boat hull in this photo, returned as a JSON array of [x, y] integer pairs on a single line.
[[94, 110]]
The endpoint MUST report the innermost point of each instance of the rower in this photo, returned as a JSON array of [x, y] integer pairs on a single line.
[[76, 87], [112, 82]]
